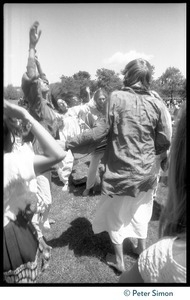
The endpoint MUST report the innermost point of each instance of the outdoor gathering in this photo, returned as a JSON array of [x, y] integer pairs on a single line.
[[94, 160]]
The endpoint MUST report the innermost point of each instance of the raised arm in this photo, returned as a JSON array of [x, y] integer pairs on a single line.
[[88, 92], [34, 36], [36, 90], [53, 153], [39, 68]]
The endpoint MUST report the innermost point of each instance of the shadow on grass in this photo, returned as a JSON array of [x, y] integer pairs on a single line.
[[57, 181], [77, 190], [79, 237]]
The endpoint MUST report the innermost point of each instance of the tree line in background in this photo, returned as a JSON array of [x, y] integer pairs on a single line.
[[170, 85]]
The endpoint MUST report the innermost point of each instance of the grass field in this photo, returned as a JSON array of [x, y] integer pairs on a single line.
[[78, 256]]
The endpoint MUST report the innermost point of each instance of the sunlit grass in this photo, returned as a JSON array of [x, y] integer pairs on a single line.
[[78, 256]]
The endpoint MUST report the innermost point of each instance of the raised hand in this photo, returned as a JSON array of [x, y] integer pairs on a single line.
[[34, 35]]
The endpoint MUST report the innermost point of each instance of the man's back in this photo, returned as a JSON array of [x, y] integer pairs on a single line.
[[137, 124]]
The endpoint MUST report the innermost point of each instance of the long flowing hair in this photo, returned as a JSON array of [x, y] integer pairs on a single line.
[[138, 71], [173, 217], [97, 94]]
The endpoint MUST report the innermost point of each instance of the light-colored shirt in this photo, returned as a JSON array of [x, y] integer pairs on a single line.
[[19, 181], [164, 261]]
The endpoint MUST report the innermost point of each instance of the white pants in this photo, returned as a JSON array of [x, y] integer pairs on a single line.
[[64, 168], [92, 171], [124, 216], [44, 203]]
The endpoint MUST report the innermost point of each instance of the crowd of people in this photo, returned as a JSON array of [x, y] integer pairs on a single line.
[[130, 132]]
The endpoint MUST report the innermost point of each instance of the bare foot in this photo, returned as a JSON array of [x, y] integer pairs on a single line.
[[65, 187], [45, 264], [47, 252], [45, 249], [111, 261]]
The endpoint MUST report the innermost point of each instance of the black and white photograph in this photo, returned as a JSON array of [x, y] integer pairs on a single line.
[[94, 160]]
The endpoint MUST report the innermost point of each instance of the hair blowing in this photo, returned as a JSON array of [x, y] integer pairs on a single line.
[[173, 217]]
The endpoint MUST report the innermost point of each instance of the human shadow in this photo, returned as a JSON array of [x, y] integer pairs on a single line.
[[80, 238], [76, 190], [57, 181]]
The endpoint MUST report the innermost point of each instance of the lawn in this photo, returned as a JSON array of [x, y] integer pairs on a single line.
[[78, 256]]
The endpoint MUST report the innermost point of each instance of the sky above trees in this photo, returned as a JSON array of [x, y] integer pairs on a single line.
[[89, 36]]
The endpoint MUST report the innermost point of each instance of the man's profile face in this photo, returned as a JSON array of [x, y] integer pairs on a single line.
[[44, 85]]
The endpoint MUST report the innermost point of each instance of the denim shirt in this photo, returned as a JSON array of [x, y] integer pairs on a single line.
[[137, 130], [40, 108]]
